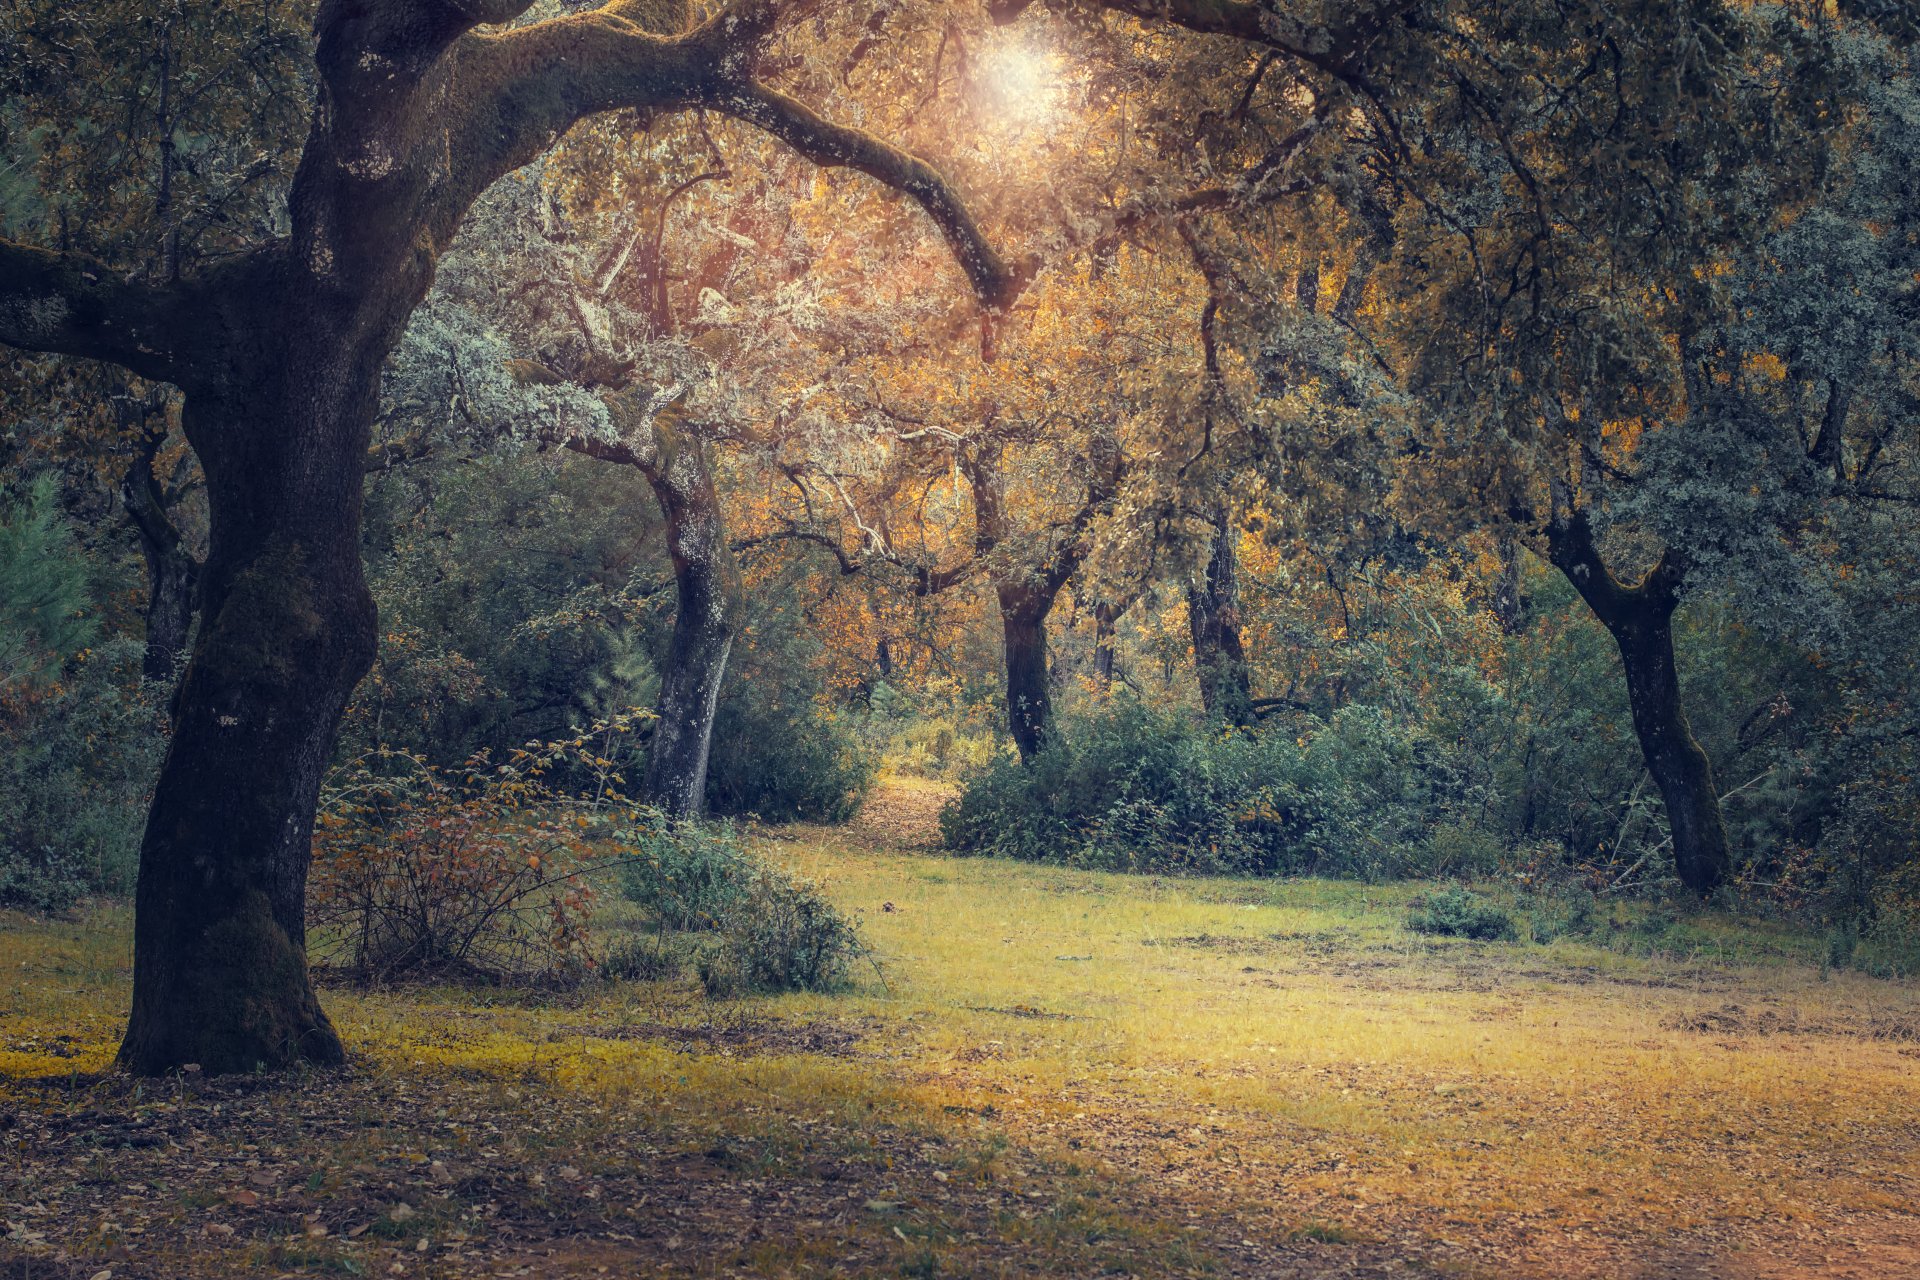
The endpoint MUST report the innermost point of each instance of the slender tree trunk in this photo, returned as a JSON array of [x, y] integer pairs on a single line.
[[1106, 617], [708, 579], [1213, 620], [1023, 628], [172, 573], [288, 628], [1640, 619], [1675, 759], [1509, 608]]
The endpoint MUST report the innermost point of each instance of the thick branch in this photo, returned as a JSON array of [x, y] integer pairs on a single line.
[[1336, 51], [848, 564], [1572, 549], [67, 304]]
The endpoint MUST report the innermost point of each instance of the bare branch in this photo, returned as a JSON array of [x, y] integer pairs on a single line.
[[824, 142]]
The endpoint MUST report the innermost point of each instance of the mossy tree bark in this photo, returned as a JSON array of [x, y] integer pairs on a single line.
[[278, 354], [1640, 619], [708, 580], [220, 974], [679, 468]]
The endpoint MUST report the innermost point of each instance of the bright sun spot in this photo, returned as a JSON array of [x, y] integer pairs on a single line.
[[1025, 83]]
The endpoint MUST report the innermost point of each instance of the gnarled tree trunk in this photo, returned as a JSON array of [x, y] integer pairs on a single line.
[[708, 579], [1026, 594], [288, 629], [706, 575], [1213, 621], [1640, 619], [1023, 630]]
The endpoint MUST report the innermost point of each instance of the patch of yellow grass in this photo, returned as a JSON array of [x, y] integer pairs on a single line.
[[1283, 1052], [1300, 1043]]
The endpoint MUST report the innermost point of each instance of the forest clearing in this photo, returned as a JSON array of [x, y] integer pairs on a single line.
[[1053, 1073], [1155, 638]]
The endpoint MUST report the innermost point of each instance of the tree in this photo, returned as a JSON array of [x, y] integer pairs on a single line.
[[278, 353]]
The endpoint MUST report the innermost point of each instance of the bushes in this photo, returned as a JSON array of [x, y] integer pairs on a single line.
[[739, 923], [785, 760], [77, 766], [1458, 912], [480, 873], [1130, 788], [417, 872]]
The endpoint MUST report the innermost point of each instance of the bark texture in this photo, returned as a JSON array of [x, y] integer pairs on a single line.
[[1213, 621], [1640, 619], [708, 580]]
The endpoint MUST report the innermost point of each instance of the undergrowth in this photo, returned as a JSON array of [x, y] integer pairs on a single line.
[[735, 920]]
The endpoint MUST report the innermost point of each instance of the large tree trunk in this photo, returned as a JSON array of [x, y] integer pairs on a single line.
[[1640, 619], [288, 629], [708, 580], [1023, 628], [173, 575], [1213, 620]]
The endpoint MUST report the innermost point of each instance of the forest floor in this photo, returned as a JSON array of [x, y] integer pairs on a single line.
[[1053, 1073]]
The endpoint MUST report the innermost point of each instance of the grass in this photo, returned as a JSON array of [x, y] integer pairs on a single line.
[[1060, 1073]]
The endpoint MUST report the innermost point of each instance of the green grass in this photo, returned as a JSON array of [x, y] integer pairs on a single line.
[[1057, 1071]]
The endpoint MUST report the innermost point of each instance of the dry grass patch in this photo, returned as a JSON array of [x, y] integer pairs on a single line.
[[1060, 1073]]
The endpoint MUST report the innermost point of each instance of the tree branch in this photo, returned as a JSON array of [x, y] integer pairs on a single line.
[[1336, 51], [68, 304], [995, 283]]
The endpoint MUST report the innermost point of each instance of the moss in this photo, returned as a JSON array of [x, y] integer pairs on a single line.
[[244, 1004]]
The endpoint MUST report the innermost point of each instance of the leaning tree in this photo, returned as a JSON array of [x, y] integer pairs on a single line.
[[278, 352]]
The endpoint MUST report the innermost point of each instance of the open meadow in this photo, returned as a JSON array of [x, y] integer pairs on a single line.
[[1051, 1072]]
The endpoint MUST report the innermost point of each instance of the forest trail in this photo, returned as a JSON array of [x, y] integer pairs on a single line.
[[1057, 1073]]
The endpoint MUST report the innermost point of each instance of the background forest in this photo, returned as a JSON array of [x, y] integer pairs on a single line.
[[1280, 526]]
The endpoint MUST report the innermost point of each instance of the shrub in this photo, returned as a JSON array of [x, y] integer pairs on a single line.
[[1458, 912], [80, 735], [1570, 913], [935, 732], [785, 758], [740, 923], [478, 874], [77, 766], [1134, 789]]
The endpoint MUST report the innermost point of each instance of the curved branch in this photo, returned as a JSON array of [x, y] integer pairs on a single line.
[[995, 283], [1336, 51]]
